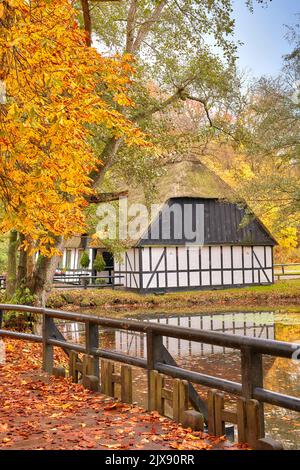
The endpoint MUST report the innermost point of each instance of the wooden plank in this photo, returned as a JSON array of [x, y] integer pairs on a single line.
[[152, 390], [167, 394], [195, 400], [87, 365], [103, 377], [219, 406], [92, 342], [183, 398], [48, 361], [110, 388], [211, 412], [106, 372], [254, 431], [175, 400], [126, 384], [73, 372], [229, 417], [116, 378], [160, 382], [252, 377], [241, 420]]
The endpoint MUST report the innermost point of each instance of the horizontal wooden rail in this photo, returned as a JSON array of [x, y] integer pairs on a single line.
[[158, 357], [216, 338]]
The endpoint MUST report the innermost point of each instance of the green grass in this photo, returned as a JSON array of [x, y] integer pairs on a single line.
[[285, 292]]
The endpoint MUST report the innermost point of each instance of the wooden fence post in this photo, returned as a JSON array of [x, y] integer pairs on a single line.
[[126, 384], [211, 412], [252, 377], [47, 348], [219, 407], [152, 390], [73, 371], [241, 420], [154, 355], [92, 342], [107, 385]]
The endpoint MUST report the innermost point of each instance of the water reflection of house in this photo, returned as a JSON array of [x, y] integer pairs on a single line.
[[258, 325]]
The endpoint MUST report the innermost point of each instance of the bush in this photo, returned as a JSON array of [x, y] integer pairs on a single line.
[[99, 263], [85, 260]]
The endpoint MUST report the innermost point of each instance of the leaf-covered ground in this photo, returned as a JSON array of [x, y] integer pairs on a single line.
[[38, 411]]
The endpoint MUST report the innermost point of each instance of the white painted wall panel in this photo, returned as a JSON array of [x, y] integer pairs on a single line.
[[215, 257], [205, 257], [194, 279], [183, 279], [238, 277], [216, 278], [248, 277], [172, 280], [237, 257], [146, 279], [259, 252], [227, 278], [226, 257], [205, 279], [269, 273], [171, 259], [247, 257], [194, 258], [182, 258], [269, 255], [162, 280], [146, 259], [156, 255]]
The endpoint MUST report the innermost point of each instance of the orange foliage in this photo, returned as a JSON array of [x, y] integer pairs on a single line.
[[56, 87]]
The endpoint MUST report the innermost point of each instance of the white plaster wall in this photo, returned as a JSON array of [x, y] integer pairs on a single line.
[[240, 266]]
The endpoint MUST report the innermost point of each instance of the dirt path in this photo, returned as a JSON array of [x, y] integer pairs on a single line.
[[38, 411]]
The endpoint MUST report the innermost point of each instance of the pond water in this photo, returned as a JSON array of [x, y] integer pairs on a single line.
[[280, 375]]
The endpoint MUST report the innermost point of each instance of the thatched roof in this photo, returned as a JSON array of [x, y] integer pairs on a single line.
[[185, 178]]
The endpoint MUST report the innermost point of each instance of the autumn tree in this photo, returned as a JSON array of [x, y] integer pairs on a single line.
[[264, 165], [57, 88]]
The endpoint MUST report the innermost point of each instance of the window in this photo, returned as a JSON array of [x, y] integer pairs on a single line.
[[68, 259]]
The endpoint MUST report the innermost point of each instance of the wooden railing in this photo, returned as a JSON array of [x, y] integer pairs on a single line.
[[251, 389], [63, 281], [286, 269]]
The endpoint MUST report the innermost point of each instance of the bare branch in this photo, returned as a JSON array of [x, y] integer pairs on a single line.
[[145, 27], [131, 24]]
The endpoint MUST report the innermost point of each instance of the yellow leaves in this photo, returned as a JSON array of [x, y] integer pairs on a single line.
[[54, 97], [1, 10]]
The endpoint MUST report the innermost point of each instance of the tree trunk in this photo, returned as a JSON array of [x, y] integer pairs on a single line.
[[42, 279], [11, 278], [22, 266], [87, 21]]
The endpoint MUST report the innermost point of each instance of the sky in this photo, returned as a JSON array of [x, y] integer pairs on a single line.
[[262, 33]]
